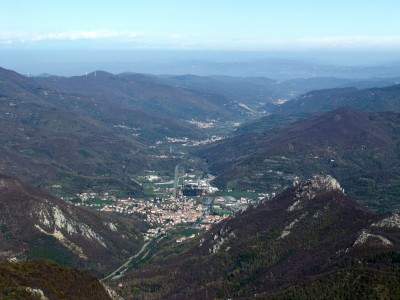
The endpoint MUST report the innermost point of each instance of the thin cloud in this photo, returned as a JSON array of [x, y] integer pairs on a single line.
[[352, 42], [178, 41], [78, 35], [66, 36]]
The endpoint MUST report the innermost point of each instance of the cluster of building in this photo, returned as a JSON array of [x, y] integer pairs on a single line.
[[175, 140], [202, 125], [188, 142], [231, 204], [192, 187], [91, 196], [164, 211], [209, 140], [167, 213]]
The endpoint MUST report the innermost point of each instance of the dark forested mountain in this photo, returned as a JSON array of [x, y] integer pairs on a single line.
[[185, 97], [361, 149], [104, 104], [40, 279], [372, 83], [310, 235], [325, 94], [36, 225], [372, 100], [44, 144], [49, 137], [146, 93]]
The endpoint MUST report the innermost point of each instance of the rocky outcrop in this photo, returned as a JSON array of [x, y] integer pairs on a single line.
[[220, 238], [35, 224], [56, 219], [365, 237], [392, 221], [309, 189]]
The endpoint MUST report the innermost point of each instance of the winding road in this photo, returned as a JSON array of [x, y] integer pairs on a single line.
[[123, 268]]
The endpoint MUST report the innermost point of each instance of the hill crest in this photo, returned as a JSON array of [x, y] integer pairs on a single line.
[[37, 225], [360, 149], [309, 230]]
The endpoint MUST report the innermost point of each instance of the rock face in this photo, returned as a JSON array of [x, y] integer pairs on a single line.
[[309, 230], [36, 225], [319, 183], [54, 218], [365, 236], [392, 221], [221, 238], [309, 189]]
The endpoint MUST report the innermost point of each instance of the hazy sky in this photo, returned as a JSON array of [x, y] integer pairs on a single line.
[[201, 24]]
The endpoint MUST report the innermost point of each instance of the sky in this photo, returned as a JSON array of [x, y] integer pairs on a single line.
[[227, 25]]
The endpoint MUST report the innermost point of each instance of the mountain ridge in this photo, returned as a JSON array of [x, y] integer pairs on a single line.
[[360, 149], [37, 225], [370, 100], [307, 231], [143, 92], [77, 142]]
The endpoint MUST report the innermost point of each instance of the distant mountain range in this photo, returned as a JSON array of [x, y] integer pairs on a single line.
[[254, 91], [382, 99], [94, 131], [360, 149], [310, 237], [280, 69], [79, 142], [373, 100], [281, 66], [189, 96], [104, 103], [145, 93], [35, 225]]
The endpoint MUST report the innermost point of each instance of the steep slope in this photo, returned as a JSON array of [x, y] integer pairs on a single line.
[[383, 98], [308, 231], [104, 104], [146, 93], [371, 100], [52, 138], [45, 280], [319, 101], [361, 150], [36, 225], [372, 83]]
